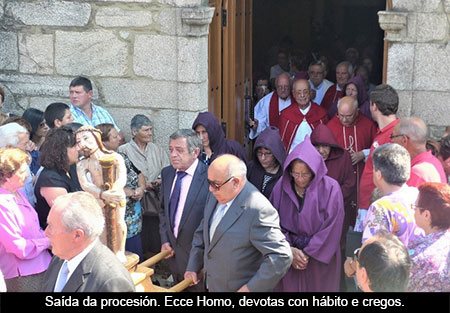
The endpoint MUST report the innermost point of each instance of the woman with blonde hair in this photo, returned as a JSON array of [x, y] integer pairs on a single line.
[[23, 246]]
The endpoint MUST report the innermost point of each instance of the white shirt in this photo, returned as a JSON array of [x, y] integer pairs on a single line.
[[302, 130], [262, 113], [73, 263], [185, 184], [320, 90]]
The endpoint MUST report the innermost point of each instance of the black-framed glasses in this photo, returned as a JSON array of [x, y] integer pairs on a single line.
[[216, 186], [400, 135], [264, 154]]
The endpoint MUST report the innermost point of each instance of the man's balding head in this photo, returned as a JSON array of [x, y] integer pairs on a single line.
[[415, 129], [226, 177], [347, 108], [283, 85]]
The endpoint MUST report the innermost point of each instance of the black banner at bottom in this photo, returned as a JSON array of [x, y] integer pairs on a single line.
[[171, 302]]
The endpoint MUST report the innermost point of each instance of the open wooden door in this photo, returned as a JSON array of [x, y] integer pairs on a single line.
[[230, 65]]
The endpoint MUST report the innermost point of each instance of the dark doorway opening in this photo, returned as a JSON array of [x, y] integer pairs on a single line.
[[319, 28]]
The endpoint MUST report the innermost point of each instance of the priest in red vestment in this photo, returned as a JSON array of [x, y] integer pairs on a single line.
[[299, 119], [344, 71]]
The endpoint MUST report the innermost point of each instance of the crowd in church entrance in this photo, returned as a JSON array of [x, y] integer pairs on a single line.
[[339, 193]]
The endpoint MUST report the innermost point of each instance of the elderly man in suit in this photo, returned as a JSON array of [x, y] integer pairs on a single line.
[[184, 190], [239, 242], [81, 263]]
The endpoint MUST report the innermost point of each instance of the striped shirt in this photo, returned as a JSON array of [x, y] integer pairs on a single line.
[[99, 116]]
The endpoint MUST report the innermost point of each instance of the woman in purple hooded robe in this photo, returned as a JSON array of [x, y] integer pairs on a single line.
[[213, 138], [311, 209], [355, 88], [267, 165]]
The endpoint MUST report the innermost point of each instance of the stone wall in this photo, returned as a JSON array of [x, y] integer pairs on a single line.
[[419, 59], [143, 56]]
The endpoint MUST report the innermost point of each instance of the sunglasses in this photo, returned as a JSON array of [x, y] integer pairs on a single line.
[[216, 186]]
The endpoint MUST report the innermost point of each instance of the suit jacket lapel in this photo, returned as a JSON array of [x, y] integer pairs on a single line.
[[233, 213], [83, 270], [194, 189]]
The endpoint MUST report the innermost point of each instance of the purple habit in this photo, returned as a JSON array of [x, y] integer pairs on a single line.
[[269, 139], [363, 98], [316, 229], [217, 141]]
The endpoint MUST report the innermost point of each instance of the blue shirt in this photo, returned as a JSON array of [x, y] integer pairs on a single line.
[[99, 116]]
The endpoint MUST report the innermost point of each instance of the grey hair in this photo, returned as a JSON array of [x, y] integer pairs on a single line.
[[414, 128], [284, 74], [349, 66], [318, 62], [355, 103], [394, 163], [82, 212], [192, 139], [138, 121], [237, 168], [9, 134]]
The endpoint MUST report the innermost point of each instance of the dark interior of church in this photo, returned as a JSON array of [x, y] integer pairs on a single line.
[[319, 29]]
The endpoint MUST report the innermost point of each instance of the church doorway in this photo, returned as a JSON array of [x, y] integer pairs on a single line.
[[246, 36]]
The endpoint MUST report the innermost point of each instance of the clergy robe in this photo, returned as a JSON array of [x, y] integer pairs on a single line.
[[268, 110], [354, 138], [269, 139], [316, 228], [339, 166], [217, 141], [292, 117], [363, 98], [332, 95]]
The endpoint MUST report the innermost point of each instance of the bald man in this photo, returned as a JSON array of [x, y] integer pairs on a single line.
[[268, 109], [355, 133], [239, 243], [412, 133]]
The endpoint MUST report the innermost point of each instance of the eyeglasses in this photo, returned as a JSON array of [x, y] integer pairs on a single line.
[[414, 207], [302, 175], [315, 73], [301, 92], [264, 154], [216, 186], [400, 135], [343, 117]]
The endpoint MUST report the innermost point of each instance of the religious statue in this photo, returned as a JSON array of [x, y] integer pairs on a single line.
[[103, 174]]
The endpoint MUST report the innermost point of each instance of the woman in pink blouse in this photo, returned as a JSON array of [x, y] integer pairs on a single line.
[[23, 246], [430, 269]]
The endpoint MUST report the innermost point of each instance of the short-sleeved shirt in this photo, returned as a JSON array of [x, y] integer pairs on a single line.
[[53, 178], [99, 116], [394, 214]]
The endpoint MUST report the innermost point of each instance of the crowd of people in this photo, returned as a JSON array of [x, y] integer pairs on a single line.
[[330, 162]]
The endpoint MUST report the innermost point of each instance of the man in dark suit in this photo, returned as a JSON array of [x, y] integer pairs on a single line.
[[182, 208], [81, 263], [239, 242]]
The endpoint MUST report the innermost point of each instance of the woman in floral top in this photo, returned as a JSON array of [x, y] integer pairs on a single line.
[[133, 191], [430, 269]]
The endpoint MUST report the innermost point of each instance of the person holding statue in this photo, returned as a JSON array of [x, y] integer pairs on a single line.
[[107, 190]]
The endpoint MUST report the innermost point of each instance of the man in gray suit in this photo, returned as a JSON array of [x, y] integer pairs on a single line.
[[239, 242], [81, 263], [179, 218]]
